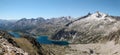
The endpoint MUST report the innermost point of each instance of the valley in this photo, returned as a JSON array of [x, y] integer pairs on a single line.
[[59, 27], [93, 34]]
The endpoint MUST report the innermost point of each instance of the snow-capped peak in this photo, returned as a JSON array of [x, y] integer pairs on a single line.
[[98, 15]]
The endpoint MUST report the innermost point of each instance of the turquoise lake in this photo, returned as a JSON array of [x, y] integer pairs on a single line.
[[15, 34], [45, 40], [42, 39]]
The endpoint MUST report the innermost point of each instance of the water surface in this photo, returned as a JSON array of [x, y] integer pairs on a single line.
[[45, 40], [15, 34], [42, 39]]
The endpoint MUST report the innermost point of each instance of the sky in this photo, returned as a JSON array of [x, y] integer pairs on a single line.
[[17, 9]]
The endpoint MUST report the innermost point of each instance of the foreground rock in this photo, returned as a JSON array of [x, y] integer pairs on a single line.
[[7, 48], [25, 45], [109, 48]]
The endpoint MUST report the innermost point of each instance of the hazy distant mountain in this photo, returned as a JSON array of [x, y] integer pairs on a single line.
[[92, 28], [39, 26], [5, 24]]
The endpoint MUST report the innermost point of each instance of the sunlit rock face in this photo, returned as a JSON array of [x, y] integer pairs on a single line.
[[8, 46], [108, 48], [8, 49], [92, 28]]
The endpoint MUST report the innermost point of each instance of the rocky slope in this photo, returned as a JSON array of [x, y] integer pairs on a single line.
[[108, 48], [92, 28], [8, 46], [25, 45], [8, 49]]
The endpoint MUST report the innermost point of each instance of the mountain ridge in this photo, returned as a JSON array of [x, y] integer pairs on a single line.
[[88, 28], [37, 26]]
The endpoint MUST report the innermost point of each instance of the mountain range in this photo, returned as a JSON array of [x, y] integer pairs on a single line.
[[92, 28], [37, 26], [93, 34]]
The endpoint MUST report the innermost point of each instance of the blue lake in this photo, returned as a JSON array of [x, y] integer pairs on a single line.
[[15, 34], [45, 40], [42, 39]]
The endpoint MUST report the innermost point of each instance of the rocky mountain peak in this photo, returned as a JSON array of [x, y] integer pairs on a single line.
[[40, 18], [89, 29], [98, 14], [23, 19]]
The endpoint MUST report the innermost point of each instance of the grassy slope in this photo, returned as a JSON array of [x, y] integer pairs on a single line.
[[26, 45]]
